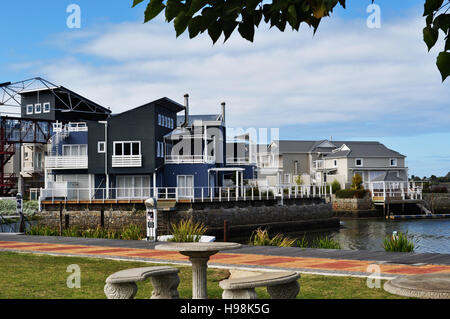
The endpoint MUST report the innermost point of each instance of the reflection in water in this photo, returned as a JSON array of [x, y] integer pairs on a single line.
[[368, 234]]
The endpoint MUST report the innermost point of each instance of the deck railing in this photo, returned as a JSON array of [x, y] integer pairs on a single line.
[[382, 191], [193, 194]]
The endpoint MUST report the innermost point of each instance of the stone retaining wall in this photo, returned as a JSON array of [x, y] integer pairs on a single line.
[[241, 220], [356, 207], [438, 202]]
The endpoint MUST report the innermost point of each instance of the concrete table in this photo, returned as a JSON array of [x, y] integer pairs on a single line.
[[429, 286], [198, 254]]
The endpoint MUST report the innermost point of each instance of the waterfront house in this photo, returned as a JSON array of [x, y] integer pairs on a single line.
[[151, 150], [287, 162], [41, 103]]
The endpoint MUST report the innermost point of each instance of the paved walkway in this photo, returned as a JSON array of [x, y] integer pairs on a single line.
[[320, 261]]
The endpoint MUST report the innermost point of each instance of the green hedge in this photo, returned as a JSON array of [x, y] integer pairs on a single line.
[[351, 193]]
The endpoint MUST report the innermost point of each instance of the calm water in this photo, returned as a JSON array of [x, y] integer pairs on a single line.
[[368, 234]]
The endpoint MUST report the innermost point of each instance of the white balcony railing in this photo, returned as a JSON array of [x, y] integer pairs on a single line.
[[66, 162], [126, 161], [319, 164], [178, 159]]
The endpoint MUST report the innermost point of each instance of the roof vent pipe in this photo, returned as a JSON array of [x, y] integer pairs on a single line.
[[223, 112], [186, 104]]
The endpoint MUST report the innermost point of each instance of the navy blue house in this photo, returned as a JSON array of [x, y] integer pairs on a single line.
[[152, 150]]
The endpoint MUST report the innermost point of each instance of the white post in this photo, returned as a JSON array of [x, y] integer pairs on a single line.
[[202, 195], [237, 185]]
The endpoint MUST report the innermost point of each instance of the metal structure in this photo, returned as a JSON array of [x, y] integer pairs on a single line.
[[16, 130]]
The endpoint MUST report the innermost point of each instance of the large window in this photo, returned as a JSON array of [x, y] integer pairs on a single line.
[[185, 184], [133, 186], [74, 150], [127, 148]]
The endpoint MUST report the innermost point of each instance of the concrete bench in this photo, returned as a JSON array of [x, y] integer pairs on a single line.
[[242, 284], [122, 284]]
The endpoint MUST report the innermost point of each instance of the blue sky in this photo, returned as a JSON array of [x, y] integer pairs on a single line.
[[346, 82]]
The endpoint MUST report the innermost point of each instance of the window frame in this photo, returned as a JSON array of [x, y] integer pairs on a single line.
[[101, 144], [123, 147], [36, 108], [44, 106], [356, 162], [28, 109], [396, 162]]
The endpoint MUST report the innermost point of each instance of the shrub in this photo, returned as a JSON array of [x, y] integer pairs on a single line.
[[326, 243], [357, 182], [132, 232], [298, 180], [335, 186], [351, 193], [398, 243], [439, 189], [261, 237], [187, 231]]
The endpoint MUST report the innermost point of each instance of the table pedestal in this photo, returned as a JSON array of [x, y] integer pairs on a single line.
[[199, 262]]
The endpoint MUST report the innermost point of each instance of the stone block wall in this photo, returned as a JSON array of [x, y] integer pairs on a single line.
[[438, 202]]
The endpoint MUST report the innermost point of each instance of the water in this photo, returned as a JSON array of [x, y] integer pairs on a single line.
[[432, 236]]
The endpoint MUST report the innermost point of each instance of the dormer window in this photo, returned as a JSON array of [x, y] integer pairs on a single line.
[[359, 162], [393, 162]]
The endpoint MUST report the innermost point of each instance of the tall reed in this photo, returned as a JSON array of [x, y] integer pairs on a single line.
[[187, 231]]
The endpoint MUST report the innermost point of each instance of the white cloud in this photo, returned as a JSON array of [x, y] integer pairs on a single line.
[[345, 75]]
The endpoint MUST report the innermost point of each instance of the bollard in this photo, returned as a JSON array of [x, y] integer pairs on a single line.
[[152, 219], [225, 231]]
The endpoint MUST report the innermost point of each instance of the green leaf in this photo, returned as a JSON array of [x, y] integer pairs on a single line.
[[195, 26], [136, 2], [153, 9], [442, 22], [247, 28], [196, 5], [431, 6], [228, 28], [443, 64], [181, 22], [430, 36], [214, 31], [173, 9]]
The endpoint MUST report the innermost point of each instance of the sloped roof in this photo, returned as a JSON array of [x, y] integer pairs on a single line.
[[388, 177], [364, 149]]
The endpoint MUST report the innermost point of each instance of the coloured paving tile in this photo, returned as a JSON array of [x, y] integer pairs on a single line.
[[228, 259]]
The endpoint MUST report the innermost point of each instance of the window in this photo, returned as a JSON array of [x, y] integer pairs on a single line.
[[133, 186], [334, 163], [287, 178], [30, 109], [46, 107], [159, 119], [74, 150], [393, 162], [101, 147], [38, 108], [359, 162], [127, 148]]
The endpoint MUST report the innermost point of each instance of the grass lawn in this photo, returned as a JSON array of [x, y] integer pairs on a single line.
[[30, 276]]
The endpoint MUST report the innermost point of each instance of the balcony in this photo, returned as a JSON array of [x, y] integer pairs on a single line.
[[66, 162], [319, 164], [191, 159], [126, 161]]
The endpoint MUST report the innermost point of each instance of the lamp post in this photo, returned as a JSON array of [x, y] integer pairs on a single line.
[[19, 211]]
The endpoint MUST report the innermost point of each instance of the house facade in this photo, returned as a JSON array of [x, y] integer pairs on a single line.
[[322, 162], [152, 150]]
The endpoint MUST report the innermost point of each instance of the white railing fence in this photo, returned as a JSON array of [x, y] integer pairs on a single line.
[[394, 190], [192, 193]]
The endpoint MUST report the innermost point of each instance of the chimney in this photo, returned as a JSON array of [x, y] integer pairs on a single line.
[[186, 104], [223, 112]]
